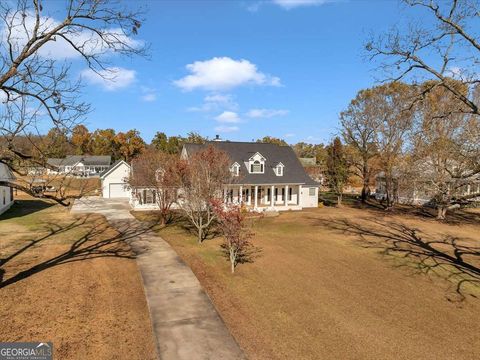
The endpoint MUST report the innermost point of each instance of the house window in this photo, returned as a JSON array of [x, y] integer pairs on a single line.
[[149, 196], [235, 169], [159, 174], [279, 170], [276, 194], [256, 167], [311, 191], [268, 194], [290, 194]]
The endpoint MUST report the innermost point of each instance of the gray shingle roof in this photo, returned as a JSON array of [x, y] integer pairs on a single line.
[[90, 160], [241, 152]]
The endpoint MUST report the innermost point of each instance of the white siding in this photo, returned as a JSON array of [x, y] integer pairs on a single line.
[[118, 176], [5, 199], [307, 200]]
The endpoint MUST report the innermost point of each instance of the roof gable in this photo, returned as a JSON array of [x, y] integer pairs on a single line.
[[112, 168]]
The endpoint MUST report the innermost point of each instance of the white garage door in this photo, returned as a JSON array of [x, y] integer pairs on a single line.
[[118, 191]]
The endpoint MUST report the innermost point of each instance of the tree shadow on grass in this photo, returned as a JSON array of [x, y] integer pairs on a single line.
[[25, 207], [99, 241], [448, 257]]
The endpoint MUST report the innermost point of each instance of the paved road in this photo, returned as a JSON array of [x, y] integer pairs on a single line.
[[186, 324]]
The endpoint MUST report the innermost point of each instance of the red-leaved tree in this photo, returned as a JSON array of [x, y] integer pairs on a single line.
[[232, 223]]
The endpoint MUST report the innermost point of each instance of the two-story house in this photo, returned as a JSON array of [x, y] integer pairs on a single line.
[[265, 176]]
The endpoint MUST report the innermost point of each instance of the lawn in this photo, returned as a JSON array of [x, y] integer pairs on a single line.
[[72, 281], [348, 284]]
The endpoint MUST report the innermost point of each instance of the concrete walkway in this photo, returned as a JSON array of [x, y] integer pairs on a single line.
[[186, 324]]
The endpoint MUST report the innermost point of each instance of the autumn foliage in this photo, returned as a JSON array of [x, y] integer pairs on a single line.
[[237, 245]]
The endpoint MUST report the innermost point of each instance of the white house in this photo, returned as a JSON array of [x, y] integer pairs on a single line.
[[265, 177], [6, 192], [115, 181], [421, 191], [80, 165]]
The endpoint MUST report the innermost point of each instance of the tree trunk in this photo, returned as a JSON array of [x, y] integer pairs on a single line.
[[442, 212], [200, 235], [232, 261], [339, 199], [366, 181]]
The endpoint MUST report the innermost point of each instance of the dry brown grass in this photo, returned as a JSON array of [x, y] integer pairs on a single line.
[[72, 281], [348, 284]]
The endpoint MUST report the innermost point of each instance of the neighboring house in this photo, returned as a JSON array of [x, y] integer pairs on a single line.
[[265, 176], [115, 181], [6, 192], [307, 162], [312, 169], [80, 165], [421, 192]]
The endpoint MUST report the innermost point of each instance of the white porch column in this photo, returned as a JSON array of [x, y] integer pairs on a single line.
[[272, 195], [298, 195], [286, 195], [256, 196], [240, 195]]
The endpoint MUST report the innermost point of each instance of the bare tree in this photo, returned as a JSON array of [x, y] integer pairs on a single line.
[[360, 122], [447, 48], [158, 172], [396, 118], [440, 144], [36, 89], [203, 182]]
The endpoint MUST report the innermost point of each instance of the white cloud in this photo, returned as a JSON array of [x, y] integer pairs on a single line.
[[228, 117], [290, 4], [214, 102], [59, 48], [265, 113], [226, 129], [223, 73], [254, 6], [289, 135], [149, 97], [111, 79], [148, 94]]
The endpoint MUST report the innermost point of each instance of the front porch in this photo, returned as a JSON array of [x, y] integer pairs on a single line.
[[265, 197]]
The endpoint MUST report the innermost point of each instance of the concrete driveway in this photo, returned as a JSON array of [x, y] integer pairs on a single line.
[[185, 322]]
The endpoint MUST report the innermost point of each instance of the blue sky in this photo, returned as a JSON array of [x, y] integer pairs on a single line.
[[258, 68]]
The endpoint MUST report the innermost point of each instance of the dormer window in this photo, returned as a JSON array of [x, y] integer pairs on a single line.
[[235, 169], [256, 167], [279, 169], [159, 174], [256, 164]]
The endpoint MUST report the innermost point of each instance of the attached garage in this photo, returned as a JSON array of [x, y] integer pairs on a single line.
[[117, 191], [115, 181]]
